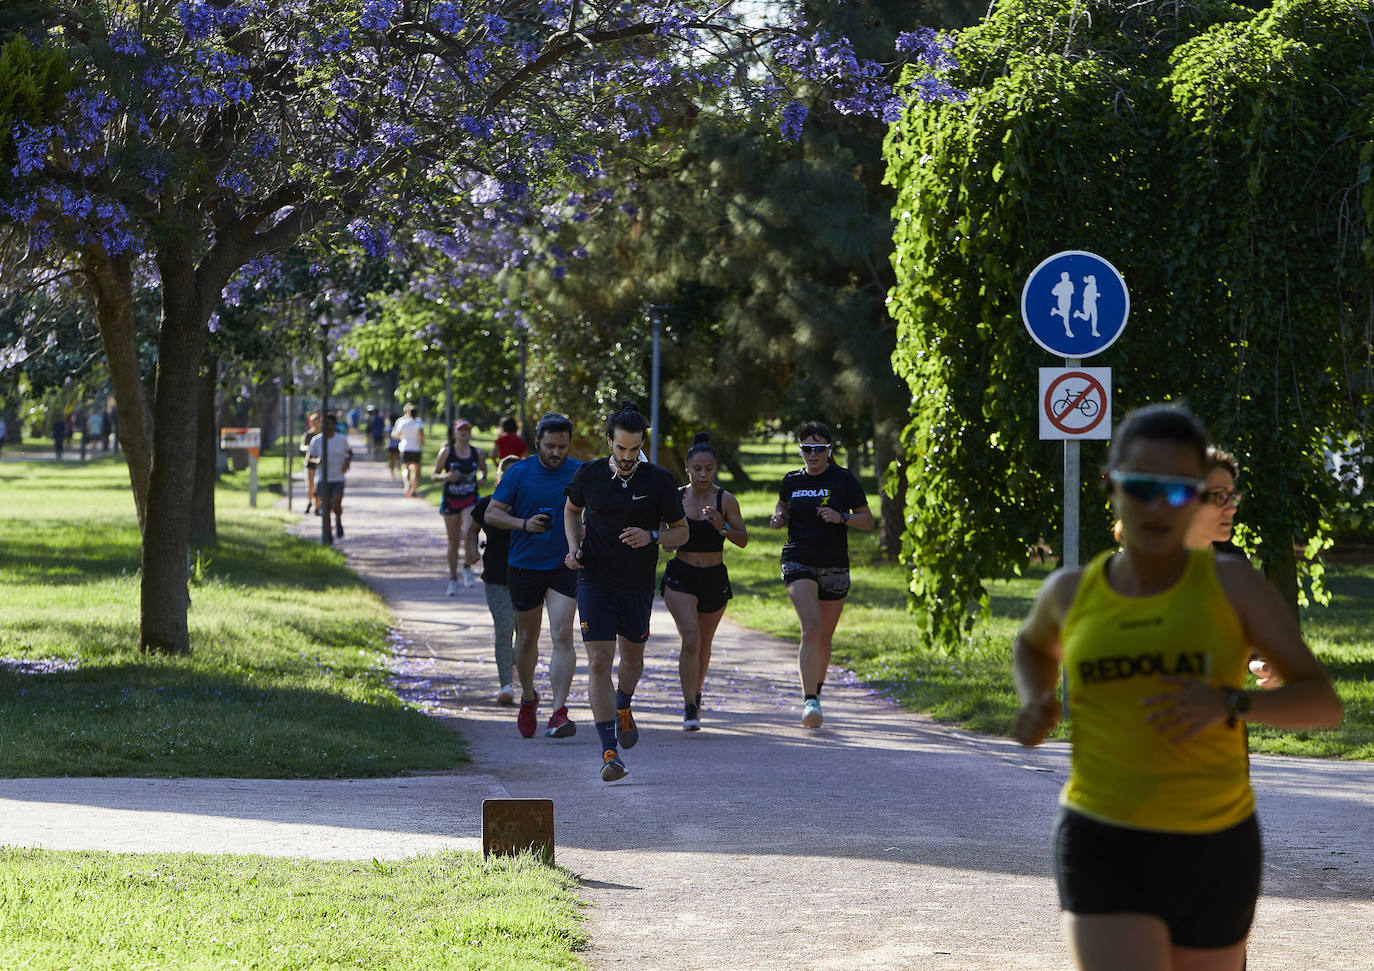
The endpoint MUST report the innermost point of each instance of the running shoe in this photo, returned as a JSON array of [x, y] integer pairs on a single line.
[[560, 725], [811, 713], [626, 731], [338, 530], [506, 696], [452, 587], [691, 718], [525, 721], [467, 576], [611, 766]]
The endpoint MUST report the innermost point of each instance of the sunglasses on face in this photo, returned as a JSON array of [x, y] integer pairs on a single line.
[[1223, 497], [813, 449], [1175, 490]]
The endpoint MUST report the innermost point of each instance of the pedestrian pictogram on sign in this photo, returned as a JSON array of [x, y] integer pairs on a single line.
[[1075, 403], [1075, 304]]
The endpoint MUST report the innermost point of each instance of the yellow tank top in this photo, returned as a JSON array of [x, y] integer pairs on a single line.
[[1115, 648]]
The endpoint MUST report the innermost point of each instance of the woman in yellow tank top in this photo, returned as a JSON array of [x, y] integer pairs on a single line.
[[1157, 850]]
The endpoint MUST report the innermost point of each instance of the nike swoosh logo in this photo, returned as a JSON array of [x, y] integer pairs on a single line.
[[639, 497]]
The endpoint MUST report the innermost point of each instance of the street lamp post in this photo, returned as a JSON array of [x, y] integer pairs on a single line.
[[656, 315], [326, 537]]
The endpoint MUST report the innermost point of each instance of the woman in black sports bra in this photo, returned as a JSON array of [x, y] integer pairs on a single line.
[[695, 583], [461, 467]]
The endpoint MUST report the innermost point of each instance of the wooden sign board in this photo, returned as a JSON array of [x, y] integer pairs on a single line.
[[511, 826]]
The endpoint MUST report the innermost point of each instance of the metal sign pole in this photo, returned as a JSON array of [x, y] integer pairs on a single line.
[[1072, 489]]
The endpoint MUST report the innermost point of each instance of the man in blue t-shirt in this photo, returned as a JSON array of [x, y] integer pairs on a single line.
[[529, 502]]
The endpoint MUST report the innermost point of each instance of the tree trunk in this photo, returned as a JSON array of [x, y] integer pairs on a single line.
[[891, 508], [111, 282], [739, 477], [1282, 572], [202, 530], [181, 347]]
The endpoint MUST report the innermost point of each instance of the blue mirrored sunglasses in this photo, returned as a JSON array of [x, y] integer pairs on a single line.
[[1176, 490]]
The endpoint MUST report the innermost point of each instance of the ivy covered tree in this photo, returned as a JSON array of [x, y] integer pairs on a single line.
[[1220, 158], [201, 139]]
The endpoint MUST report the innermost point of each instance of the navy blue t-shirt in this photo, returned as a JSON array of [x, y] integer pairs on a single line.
[[528, 489]]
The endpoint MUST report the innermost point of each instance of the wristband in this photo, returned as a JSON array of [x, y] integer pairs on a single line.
[[524, 523], [844, 517]]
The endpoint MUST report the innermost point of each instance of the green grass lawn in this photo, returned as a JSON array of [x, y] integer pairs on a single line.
[[127, 911], [878, 638], [287, 677]]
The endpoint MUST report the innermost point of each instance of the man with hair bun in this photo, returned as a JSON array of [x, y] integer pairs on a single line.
[[631, 507]]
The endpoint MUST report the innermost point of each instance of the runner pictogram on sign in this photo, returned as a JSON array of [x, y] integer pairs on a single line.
[[1075, 403]]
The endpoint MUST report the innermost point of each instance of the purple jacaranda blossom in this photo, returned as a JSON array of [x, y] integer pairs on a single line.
[[793, 118]]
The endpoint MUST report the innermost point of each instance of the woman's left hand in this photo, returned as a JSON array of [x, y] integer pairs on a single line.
[[1188, 709], [716, 520]]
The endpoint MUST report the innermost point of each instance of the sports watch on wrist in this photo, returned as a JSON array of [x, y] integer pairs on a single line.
[[1237, 706], [653, 535]]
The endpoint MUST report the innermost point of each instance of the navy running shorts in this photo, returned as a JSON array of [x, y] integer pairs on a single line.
[[607, 612]]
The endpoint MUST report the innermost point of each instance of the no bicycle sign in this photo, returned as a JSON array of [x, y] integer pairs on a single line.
[[1075, 403]]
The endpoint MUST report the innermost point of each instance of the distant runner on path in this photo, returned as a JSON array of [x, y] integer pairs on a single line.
[[696, 586], [1157, 848], [462, 468], [329, 484], [818, 503], [494, 557], [409, 432], [626, 501], [529, 502]]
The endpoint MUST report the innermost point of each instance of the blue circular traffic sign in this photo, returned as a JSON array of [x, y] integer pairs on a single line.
[[1075, 304]]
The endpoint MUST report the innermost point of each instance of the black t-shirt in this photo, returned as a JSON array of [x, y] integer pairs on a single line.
[[810, 539], [645, 499], [497, 551]]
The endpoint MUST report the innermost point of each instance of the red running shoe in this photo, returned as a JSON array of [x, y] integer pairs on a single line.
[[525, 721], [560, 725]]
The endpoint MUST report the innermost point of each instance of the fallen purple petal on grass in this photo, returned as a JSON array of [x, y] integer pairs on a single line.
[[39, 665]]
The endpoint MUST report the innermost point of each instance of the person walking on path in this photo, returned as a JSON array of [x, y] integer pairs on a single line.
[[626, 501], [376, 432], [1157, 848], [461, 467], [494, 556], [510, 442], [59, 435], [330, 491], [393, 447], [696, 586], [818, 503], [93, 432], [312, 429], [528, 501], [409, 432]]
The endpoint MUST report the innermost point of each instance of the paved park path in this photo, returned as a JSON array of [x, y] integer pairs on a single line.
[[881, 840]]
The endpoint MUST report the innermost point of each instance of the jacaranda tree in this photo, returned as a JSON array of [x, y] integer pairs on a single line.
[[201, 138]]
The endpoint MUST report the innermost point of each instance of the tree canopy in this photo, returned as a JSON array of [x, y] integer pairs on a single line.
[[1220, 158]]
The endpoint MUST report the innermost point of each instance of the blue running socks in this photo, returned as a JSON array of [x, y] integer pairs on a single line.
[[622, 700], [606, 731]]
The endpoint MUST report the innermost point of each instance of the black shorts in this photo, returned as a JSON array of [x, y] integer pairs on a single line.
[[411, 457], [453, 505], [1202, 885], [607, 612], [709, 584], [528, 587], [832, 582], [328, 490]]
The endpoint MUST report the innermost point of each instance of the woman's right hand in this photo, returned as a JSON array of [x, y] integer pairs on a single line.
[[777, 520], [1035, 719]]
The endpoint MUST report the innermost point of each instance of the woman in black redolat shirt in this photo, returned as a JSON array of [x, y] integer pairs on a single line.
[[818, 503], [695, 584]]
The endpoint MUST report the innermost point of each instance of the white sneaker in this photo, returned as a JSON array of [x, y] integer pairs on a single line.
[[506, 696], [469, 578], [452, 587]]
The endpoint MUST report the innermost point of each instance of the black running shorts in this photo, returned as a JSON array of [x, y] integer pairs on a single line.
[[528, 587], [1202, 885]]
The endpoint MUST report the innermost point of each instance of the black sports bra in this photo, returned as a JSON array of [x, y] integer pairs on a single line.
[[702, 536]]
